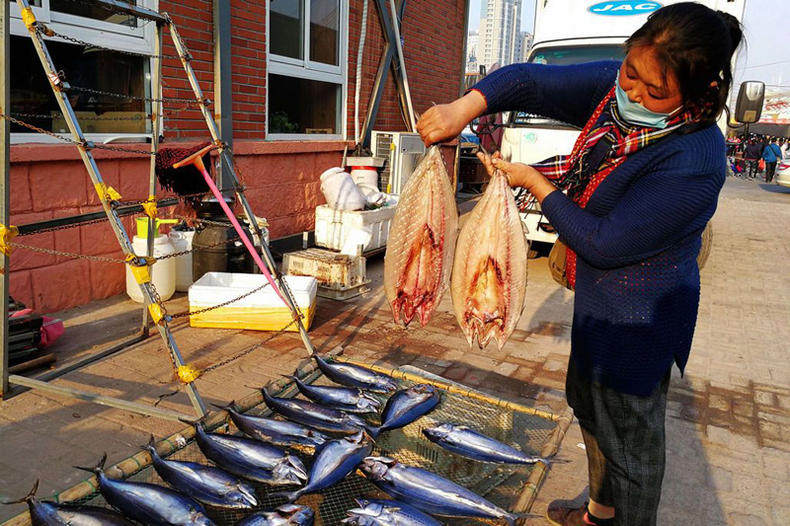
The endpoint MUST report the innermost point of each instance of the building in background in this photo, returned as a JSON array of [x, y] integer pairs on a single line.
[[500, 35], [472, 41], [524, 44]]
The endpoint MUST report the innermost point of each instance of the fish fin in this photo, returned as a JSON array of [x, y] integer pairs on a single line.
[[94, 469], [290, 496], [227, 407], [512, 517], [30, 495]]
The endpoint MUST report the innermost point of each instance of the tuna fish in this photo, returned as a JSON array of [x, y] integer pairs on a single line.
[[205, 484], [406, 406], [333, 461], [430, 492], [477, 446], [314, 415], [421, 242], [490, 270], [46, 513], [347, 399], [149, 503], [387, 513], [278, 432], [356, 376], [285, 515], [250, 458]]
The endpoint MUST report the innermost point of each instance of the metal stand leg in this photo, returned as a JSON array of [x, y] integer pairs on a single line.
[[231, 172], [58, 87]]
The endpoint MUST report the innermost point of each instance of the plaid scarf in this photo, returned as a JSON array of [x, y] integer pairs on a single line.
[[574, 173]]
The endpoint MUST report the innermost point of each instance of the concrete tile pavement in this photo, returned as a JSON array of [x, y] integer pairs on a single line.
[[728, 458]]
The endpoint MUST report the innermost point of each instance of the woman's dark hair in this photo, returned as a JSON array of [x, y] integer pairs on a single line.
[[696, 43]]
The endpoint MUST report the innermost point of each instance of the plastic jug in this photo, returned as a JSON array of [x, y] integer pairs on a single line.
[[163, 273], [181, 239], [340, 191]]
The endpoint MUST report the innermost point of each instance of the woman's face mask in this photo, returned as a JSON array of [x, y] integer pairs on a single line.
[[636, 114]]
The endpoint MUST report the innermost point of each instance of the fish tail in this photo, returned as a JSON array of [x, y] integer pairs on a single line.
[[373, 431], [94, 469], [151, 445], [30, 495]]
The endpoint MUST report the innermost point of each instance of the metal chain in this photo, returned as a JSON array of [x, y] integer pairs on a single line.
[[220, 305], [82, 118], [45, 30], [66, 254], [247, 351], [65, 227], [86, 144], [205, 101]]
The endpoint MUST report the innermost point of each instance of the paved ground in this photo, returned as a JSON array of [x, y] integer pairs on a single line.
[[727, 426]]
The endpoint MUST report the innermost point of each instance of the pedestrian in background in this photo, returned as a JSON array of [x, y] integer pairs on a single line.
[[642, 182], [771, 155], [752, 155]]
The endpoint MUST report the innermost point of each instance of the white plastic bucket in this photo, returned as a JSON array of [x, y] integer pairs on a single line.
[[181, 241], [163, 272], [340, 191], [365, 175]]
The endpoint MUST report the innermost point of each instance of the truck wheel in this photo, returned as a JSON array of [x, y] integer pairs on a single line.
[[707, 241]]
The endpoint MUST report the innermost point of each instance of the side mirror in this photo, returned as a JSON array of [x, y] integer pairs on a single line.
[[750, 101]]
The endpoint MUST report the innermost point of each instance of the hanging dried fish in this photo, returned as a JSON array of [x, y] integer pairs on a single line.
[[490, 270], [421, 242]]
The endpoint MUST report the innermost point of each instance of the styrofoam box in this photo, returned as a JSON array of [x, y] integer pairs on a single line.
[[333, 226], [263, 310]]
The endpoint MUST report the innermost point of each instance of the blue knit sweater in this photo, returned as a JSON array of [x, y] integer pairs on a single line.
[[637, 240]]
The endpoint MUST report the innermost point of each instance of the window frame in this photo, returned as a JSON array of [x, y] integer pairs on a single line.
[[311, 70], [105, 34]]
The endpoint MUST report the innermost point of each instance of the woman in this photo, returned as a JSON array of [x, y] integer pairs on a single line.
[[642, 182]]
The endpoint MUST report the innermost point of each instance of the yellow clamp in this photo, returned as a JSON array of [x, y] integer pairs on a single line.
[[141, 273], [149, 206], [7, 233], [187, 373], [28, 17], [108, 192], [156, 312]]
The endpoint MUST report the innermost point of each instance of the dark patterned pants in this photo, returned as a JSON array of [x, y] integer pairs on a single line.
[[624, 437]]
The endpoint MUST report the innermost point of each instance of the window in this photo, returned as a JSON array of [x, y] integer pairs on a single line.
[[306, 76], [114, 65]]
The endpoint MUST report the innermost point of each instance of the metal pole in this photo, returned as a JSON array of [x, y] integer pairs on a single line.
[[97, 399], [212, 127], [223, 83], [59, 87], [407, 91], [5, 152]]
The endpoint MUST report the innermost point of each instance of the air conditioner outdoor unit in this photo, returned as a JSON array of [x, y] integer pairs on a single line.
[[401, 151]]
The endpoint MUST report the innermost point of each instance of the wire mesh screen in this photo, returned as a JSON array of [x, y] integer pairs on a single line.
[[501, 484]]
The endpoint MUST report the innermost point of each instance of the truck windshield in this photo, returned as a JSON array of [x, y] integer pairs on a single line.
[[565, 56]]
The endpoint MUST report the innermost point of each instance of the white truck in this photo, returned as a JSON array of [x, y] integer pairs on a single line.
[[572, 32]]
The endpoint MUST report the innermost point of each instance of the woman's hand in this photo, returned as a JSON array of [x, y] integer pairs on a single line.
[[518, 174], [446, 121]]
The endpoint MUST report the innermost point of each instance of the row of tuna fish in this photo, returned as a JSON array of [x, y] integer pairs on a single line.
[[258, 458], [485, 264]]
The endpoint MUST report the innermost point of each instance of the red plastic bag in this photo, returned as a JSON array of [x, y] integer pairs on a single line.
[[761, 165]]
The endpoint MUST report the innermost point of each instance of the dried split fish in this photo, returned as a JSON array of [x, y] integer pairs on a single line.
[[490, 270], [421, 242]]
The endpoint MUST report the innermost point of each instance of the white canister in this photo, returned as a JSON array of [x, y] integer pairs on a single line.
[[365, 175], [163, 272], [181, 241], [340, 191]]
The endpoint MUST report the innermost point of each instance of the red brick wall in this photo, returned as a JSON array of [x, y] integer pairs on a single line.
[[433, 34], [282, 178]]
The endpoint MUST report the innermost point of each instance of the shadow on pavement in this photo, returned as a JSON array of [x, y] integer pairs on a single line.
[[774, 188]]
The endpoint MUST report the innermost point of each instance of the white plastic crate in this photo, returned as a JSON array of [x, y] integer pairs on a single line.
[[263, 310], [332, 227]]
